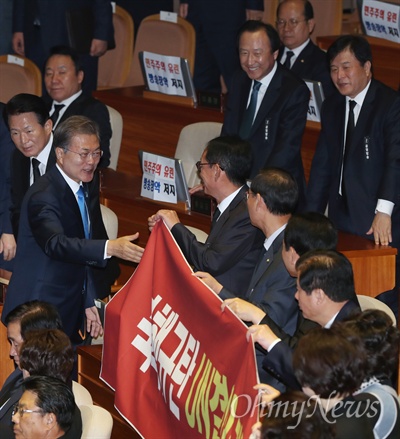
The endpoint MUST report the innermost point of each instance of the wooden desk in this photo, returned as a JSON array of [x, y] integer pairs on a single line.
[[374, 266], [89, 363], [385, 58], [155, 126]]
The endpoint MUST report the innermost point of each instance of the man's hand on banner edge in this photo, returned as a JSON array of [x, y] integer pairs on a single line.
[[244, 310], [263, 335], [210, 281], [123, 248], [170, 217]]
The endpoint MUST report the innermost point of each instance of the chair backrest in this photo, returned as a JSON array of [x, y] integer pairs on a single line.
[[368, 302], [328, 16], [191, 143], [97, 422], [115, 64], [117, 125], [165, 38], [81, 394], [201, 236], [18, 75], [110, 221], [270, 7]]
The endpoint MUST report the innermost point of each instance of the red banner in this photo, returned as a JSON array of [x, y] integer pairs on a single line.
[[180, 367]]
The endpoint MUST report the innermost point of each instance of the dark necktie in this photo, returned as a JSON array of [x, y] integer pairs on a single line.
[[215, 217], [84, 214], [56, 113], [248, 116], [349, 134], [289, 55], [35, 169]]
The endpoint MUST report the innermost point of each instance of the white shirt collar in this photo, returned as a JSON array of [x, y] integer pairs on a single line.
[[224, 204], [43, 158], [67, 101], [71, 183], [269, 241], [296, 51], [330, 323]]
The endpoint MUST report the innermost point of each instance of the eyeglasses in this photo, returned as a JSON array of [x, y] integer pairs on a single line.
[[292, 23], [199, 165], [17, 409], [96, 155]]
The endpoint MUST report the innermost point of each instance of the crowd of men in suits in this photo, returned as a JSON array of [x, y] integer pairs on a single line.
[[53, 238]]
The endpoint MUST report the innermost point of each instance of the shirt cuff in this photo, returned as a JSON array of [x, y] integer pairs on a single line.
[[105, 251], [273, 344], [384, 206]]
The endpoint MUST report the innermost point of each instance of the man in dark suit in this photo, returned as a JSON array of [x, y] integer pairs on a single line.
[[62, 240], [272, 199], [233, 245], [7, 241], [295, 23], [41, 24], [24, 318], [355, 169], [216, 24], [31, 131], [63, 77], [268, 104], [325, 292]]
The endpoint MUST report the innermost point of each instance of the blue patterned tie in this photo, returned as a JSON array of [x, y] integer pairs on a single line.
[[84, 214], [248, 116]]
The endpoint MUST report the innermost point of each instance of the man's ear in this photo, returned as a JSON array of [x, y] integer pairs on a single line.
[[49, 421], [319, 296]]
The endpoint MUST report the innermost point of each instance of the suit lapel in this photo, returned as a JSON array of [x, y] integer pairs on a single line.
[[270, 97], [265, 262]]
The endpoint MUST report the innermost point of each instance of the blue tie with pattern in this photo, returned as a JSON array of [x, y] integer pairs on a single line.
[[84, 214]]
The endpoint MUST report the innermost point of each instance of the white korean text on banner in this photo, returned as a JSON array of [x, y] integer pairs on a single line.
[[381, 20], [180, 367], [164, 74], [159, 180]]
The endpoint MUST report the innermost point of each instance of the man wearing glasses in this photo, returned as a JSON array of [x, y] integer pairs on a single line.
[[233, 245], [46, 409], [63, 250], [295, 23]]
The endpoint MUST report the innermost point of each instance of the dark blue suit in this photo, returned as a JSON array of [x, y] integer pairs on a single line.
[[278, 127], [232, 247], [54, 262], [51, 14]]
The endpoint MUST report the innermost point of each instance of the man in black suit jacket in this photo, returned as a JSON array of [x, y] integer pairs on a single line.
[[31, 131], [282, 104], [216, 24], [358, 173], [41, 24], [295, 22], [63, 77], [57, 256], [233, 245], [325, 292]]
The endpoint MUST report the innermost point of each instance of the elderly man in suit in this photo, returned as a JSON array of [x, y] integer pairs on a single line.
[[268, 104], [62, 240], [295, 22], [356, 166], [41, 24], [63, 77], [233, 245]]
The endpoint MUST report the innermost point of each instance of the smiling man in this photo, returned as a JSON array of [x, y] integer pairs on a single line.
[[357, 171], [63, 78], [267, 104], [62, 247]]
